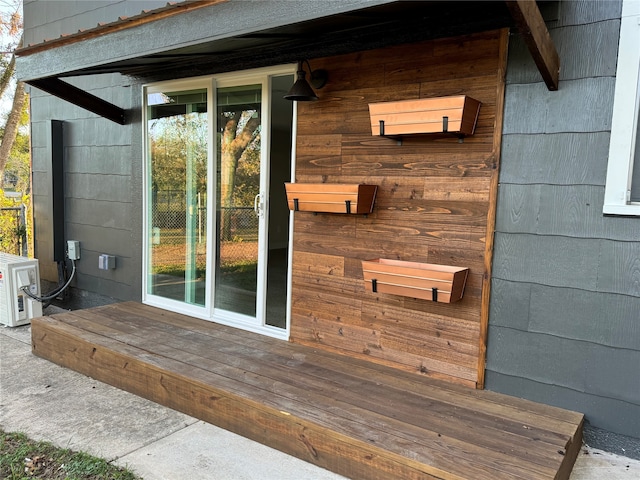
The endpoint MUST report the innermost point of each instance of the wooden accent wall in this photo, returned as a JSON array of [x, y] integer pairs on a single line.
[[436, 204]]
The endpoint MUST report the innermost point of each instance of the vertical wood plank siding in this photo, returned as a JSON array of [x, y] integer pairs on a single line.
[[435, 204]]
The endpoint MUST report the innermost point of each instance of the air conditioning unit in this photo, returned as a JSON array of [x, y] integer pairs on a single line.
[[17, 308]]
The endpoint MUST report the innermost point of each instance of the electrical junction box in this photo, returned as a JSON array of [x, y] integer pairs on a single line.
[[106, 262], [16, 307], [73, 249]]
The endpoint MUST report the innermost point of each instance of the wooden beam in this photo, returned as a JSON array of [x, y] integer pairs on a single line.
[[79, 97], [531, 26], [493, 208]]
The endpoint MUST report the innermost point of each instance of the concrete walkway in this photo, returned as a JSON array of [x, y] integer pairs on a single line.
[[48, 402]]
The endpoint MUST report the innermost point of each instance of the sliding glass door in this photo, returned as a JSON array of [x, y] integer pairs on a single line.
[[218, 224], [239, 200], [177, 144]]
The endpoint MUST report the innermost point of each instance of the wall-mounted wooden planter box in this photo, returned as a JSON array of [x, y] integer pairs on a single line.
[[456, 115], [331, 197], [428, 281]]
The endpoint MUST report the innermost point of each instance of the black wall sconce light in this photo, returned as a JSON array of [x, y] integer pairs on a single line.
[[301, 91]]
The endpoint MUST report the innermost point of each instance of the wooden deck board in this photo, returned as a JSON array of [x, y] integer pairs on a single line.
[[351, 392], [358, 419]]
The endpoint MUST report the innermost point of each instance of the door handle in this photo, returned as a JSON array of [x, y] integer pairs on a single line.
[[258, 206]]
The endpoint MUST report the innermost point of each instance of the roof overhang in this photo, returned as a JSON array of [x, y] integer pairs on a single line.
[[203, 37]]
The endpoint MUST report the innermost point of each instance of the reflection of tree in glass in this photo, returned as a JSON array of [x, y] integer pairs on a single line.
[[178, 139], [239, 161], [178, 147], [175, 140]]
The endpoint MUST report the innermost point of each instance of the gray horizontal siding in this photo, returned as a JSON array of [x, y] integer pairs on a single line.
[[583, 105], [97, 132], [42, 213], [575, 365], [116, 279], [109, 188], [108, 159], [619, 270], [566, 210], [113, 88], [99, 213], [618, 415], [45, 108], [564, 322], [556, 261], [536, 357], [102, 184], [106, 286], [100, 239], [558, 158], [601, 37], [607, 319], [598, 265], [41, 183], [573, 12], [603, 318], [510, 304]]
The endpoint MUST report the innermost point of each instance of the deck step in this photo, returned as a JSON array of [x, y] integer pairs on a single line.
[[361, 420]]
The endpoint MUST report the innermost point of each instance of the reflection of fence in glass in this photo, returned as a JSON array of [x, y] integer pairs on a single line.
[[13, 230], [169, 233], [169, 217], [240, 243]]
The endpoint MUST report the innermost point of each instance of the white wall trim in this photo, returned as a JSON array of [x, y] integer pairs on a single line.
[[626, 107]]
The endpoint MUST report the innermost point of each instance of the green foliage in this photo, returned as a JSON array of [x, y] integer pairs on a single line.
[[175, 141], [19, 163], [11, 229], [248, 175], [22, 458], [16, 163]]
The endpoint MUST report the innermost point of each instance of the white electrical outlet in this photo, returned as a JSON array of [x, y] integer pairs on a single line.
[[73, 249]]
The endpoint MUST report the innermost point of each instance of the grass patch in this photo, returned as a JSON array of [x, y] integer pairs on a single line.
[[22, 458]]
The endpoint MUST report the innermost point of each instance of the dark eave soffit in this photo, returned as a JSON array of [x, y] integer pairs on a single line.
[[364, 29]]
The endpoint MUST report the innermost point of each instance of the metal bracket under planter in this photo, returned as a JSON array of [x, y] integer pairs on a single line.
[[427, 281], [331, 197]]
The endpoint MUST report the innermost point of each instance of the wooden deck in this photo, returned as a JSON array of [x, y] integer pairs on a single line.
[[359, 419]]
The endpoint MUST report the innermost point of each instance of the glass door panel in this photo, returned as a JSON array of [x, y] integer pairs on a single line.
[[281, 134], [239, 203], [177, 138], [230, 136]]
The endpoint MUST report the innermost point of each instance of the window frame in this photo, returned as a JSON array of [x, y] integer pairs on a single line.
[[212, 83], [198, 311], [624, 123]]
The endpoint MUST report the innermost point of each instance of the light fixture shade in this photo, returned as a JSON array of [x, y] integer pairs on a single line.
[[301, 91]]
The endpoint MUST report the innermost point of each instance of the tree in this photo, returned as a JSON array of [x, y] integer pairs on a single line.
[[11, 128], [18, 167], [11, 26], [241, 128]]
